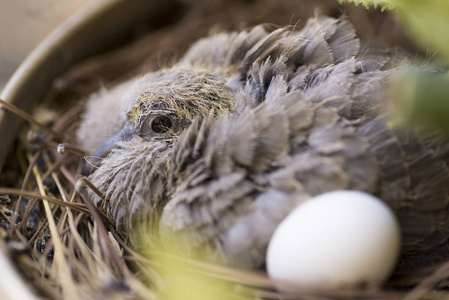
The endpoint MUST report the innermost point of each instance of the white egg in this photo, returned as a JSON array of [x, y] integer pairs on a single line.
[[337, 239]]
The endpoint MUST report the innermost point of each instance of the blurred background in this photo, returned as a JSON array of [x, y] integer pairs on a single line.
[[25, 23]]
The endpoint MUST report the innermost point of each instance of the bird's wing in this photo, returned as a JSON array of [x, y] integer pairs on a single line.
[[310, 117]]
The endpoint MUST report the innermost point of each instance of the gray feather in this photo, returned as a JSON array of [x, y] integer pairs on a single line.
[[261, 121]]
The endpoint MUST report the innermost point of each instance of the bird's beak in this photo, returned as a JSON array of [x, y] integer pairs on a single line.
[[92, 162]]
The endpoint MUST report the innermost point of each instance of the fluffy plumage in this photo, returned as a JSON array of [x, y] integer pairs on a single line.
[[260, 121]]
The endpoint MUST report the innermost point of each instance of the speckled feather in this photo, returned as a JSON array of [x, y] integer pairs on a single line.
[[271, 117]]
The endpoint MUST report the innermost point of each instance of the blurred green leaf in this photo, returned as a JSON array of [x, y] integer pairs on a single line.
[[384, 4], [428, 23], [422, 97], [182, 278]]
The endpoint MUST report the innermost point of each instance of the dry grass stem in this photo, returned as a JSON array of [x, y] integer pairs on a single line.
[[76, 206], [62, 269], [24, 115], [25, 181]]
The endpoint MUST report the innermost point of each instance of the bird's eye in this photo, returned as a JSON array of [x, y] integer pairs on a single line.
[[161, 124]]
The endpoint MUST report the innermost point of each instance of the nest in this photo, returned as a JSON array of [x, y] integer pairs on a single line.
[[58, 245]]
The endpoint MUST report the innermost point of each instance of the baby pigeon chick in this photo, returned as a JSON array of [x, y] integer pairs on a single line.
[[219, 148]]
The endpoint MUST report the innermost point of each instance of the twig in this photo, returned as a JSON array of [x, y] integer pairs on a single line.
[[68, 286], [14, 109], [68, 118], [25, 181], [101, 229], [26, 215], [75, 150], [76, 206], [38, 232], [53, 167], [95, 189], [67, 175]]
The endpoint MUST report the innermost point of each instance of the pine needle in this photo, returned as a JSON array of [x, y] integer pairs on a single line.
[[67, 285], [24, 115]]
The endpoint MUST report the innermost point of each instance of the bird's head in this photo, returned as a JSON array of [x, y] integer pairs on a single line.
[[161, 105], [158, 109]]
